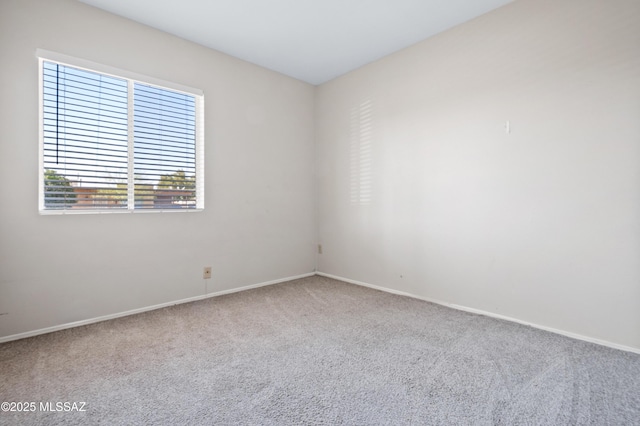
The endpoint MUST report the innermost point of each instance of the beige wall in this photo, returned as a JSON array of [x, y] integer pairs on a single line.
[[430, 196], [258, 224]]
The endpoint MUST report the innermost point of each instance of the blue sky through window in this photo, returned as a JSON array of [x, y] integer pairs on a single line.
[[85, 125]]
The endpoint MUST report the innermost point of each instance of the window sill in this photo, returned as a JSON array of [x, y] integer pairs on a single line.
[[114, 211]]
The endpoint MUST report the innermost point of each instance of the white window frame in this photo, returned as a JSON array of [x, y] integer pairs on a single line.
[[131, 77]]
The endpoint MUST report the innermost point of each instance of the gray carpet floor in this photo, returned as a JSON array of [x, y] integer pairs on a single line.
[[317, 351]]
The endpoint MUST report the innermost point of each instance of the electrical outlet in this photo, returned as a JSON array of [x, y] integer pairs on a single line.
[[206, 273]]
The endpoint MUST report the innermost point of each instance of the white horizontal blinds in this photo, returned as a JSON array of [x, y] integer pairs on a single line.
[[164, 148], [112, 143], [84, 139]]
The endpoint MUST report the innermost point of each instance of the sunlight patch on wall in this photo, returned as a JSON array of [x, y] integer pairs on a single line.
[[361, 159]]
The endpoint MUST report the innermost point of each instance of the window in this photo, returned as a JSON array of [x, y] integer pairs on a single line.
[[114, 141]]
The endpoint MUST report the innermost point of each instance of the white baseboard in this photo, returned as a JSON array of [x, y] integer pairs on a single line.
[[145, 309], [487, 314]]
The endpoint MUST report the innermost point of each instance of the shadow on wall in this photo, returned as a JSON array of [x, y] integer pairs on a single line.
[[361, 160]]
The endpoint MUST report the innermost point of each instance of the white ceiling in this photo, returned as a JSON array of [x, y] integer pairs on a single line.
[[311, 40]]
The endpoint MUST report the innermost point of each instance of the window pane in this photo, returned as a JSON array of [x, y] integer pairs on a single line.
[[164, 148], [85, 143]]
